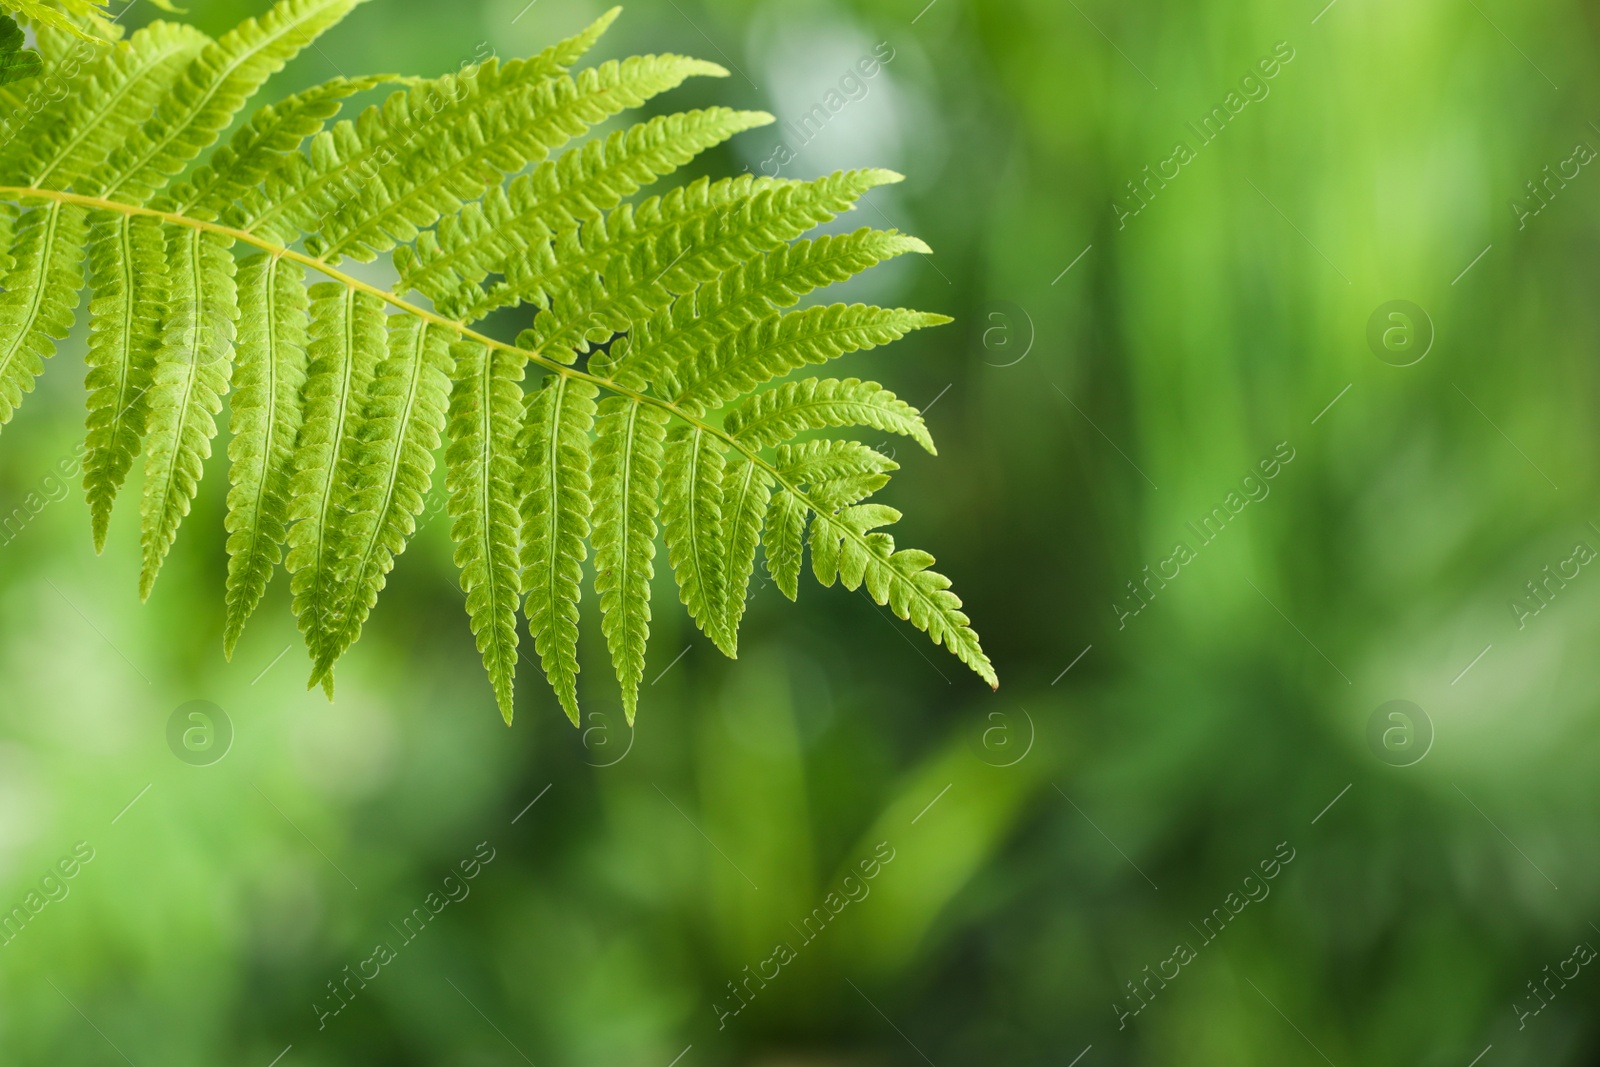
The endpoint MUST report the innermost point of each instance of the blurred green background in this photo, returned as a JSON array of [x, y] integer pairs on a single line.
[[1053, 842]]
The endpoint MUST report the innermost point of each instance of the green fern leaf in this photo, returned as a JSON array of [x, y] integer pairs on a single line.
[[487, 193], [486, 410], [271, 370], [402, 419], [41, 294], [127, 272], [842, 547], [691, 516], [628, 454], [555, 519], [347, 341], [191, 376], [789, 410]]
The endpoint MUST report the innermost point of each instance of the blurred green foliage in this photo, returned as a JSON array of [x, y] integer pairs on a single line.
[[1031, 828]]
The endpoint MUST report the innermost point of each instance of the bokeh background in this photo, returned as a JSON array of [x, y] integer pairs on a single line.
[[1108, 381]]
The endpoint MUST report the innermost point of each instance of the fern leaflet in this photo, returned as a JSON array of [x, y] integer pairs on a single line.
[[485, 411], [555, 518], [271, 372]]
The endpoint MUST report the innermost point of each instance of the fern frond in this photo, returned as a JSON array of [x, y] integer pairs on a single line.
[[843, 547], [41, 295], [127, 272], [402, 418], [192, 374], [271, 370], [485, 190], [448, 264], [691, 515], [556, 510], [788, 410], [628, 454], [347, 341], [486, 409], [216, 84]]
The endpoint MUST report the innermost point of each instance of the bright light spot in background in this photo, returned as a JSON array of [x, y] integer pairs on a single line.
[[26, 809], [807, 60], [803, 54]]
